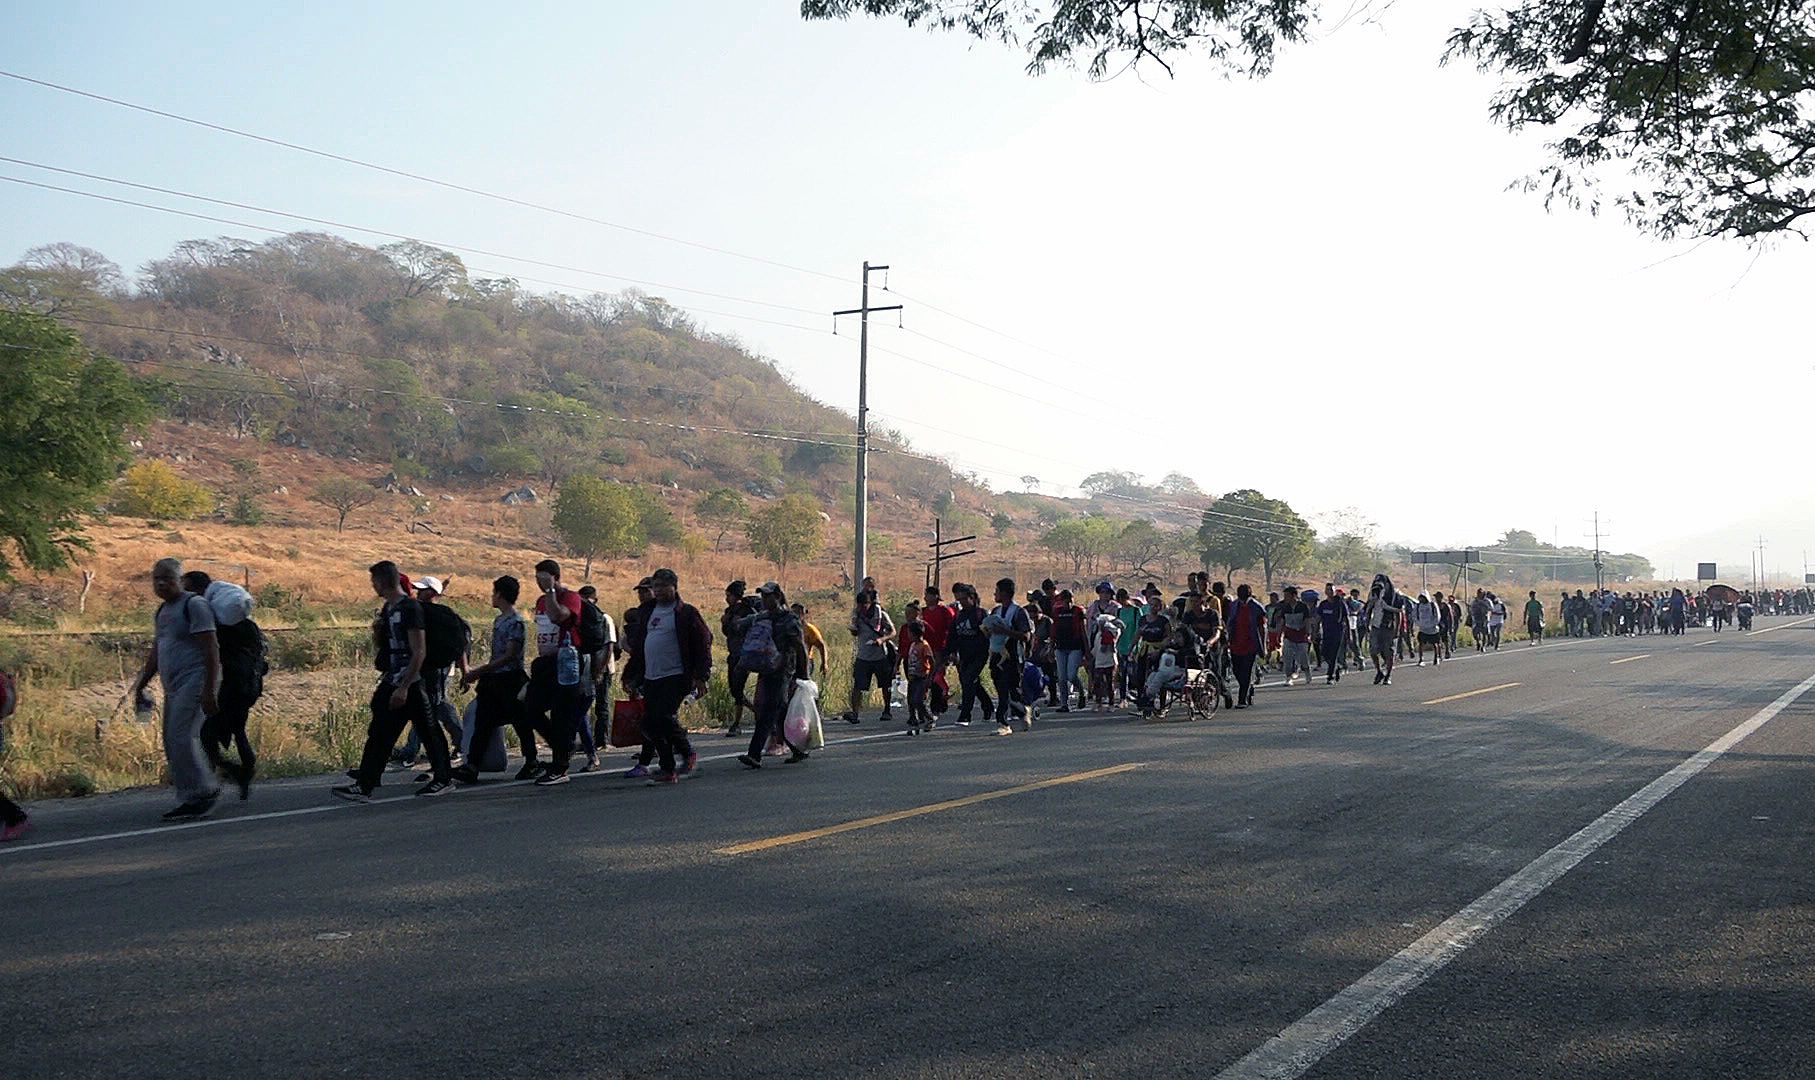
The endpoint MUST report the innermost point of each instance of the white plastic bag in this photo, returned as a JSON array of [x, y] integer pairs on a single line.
[[803, 713], [898, 693], [230, 603]]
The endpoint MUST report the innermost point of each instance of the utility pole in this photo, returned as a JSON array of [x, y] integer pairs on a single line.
[[1758, 575], [862, 542], [941, 556], [1599, 581]]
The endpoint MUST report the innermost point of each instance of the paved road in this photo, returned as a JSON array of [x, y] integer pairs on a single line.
[[1201, 889]]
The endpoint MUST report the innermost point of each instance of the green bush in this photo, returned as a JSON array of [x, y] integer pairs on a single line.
[[152, 489]]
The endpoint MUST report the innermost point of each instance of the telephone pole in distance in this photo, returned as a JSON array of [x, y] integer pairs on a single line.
[[863, 310]]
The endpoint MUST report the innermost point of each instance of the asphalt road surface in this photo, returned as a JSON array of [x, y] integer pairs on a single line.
[[1346, 881]]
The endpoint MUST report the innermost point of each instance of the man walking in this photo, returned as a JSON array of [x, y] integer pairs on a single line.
[[185, 656], [670, 657], [1534, 617], [874, 632], [1247, 624], [557, 704], [398, 700], [969, 648], [1009, 630]]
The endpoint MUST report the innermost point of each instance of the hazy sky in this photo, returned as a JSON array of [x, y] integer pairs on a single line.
[[1176, 274]]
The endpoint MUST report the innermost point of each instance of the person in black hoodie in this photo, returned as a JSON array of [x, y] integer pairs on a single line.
[[670, 656], [777, 672]]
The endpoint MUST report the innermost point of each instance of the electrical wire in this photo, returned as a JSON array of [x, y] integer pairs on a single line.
[[419, 177], [443, 244]]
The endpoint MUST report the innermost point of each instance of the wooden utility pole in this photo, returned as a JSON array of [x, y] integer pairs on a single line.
[[863, 310]]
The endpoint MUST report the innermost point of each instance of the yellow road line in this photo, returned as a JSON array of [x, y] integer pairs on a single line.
[[1630, 659], [1471, 693], [918, 811]]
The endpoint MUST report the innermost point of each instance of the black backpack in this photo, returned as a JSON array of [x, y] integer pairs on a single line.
[[446, 635], [244, 658], [592, 628]]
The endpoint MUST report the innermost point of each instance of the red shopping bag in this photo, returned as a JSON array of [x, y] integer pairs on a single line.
[[627, 722]]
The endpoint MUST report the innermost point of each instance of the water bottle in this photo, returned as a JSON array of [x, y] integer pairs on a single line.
[[567, 666]]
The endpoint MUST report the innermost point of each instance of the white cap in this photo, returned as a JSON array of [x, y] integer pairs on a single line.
[[432, 584]]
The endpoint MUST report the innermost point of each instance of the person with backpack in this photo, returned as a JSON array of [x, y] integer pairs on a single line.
[[1428, 614], [599, 635], [670, 656], [1009, 632], [398, 700], [244, 665], [500, 679], [739, 611], [185, 656], [1247, 630], [14, 821], [773, 650], [873, 662], [450, 643], [557, 704]]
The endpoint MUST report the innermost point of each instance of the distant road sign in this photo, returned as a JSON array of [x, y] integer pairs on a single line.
[[1704, 571], [1808, 579], [1468, 556]]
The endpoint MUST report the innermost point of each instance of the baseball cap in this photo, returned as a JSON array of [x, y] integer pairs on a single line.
[[769, 587], [644, 584], [664, 576], [430, 583], [1104, 586]]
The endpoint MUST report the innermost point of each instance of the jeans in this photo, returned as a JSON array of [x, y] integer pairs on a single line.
[[229, 726], [662, 728], [771, 709], [434, 689], [554, 710], [918, 716], [1244, 675], [1005, 673], [388, 723], [1068, 661], [970, 686], [497, 707]]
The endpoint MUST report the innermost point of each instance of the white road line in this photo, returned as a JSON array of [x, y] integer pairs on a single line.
[[471, 791], [1779, 626], [1711, 641], [1630, 659], [1301, 1045]]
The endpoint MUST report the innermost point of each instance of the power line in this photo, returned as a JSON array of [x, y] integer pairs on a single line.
[[419, 177], [178, 193]]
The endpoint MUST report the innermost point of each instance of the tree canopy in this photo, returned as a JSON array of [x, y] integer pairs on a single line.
[[1696, 112], [598, 519], [786, 531], [64, 429], [1245, 527]]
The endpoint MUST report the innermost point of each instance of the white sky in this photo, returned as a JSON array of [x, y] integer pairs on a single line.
[[1341, 232]]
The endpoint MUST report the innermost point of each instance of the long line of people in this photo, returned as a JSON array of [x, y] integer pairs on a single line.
[[553, 675]]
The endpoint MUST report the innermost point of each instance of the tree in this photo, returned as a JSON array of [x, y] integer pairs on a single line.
[[343, 495], [1177, 485], [55, 278], [1246, 527], [1000, 523], [152, 489], [64, 429], [1703, 104], [598, 519], [426, 270], [1084, 541], [1113, 482], [786, 530], [722, 509], [658, 523]]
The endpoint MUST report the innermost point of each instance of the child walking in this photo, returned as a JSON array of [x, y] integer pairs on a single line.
[[919, 663]]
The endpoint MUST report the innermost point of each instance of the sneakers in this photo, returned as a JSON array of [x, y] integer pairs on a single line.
[[661, 778], [1004, 729], [551, 779], [963, 721], [637, 772], [852, 718], [1379, 677], [466, 774], [592, 764], [435, 787], [692, 763], [351, 793], [795, 756], [15, 831], [193, 810], [530, 770], [242, 776], [748, 762]]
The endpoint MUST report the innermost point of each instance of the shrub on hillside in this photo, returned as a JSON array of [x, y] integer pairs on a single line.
[[152, 489]]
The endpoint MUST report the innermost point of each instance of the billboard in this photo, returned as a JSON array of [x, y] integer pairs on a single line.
[[1704, 571], [1469, 556]]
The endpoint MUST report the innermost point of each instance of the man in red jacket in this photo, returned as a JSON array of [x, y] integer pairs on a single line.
[[670, 657], [938, 618], [1247, 626]]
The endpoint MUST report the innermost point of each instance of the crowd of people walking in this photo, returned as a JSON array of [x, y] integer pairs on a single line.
[[553, 672]]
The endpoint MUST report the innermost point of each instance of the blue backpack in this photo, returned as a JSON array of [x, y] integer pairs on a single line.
[[759, 652]]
